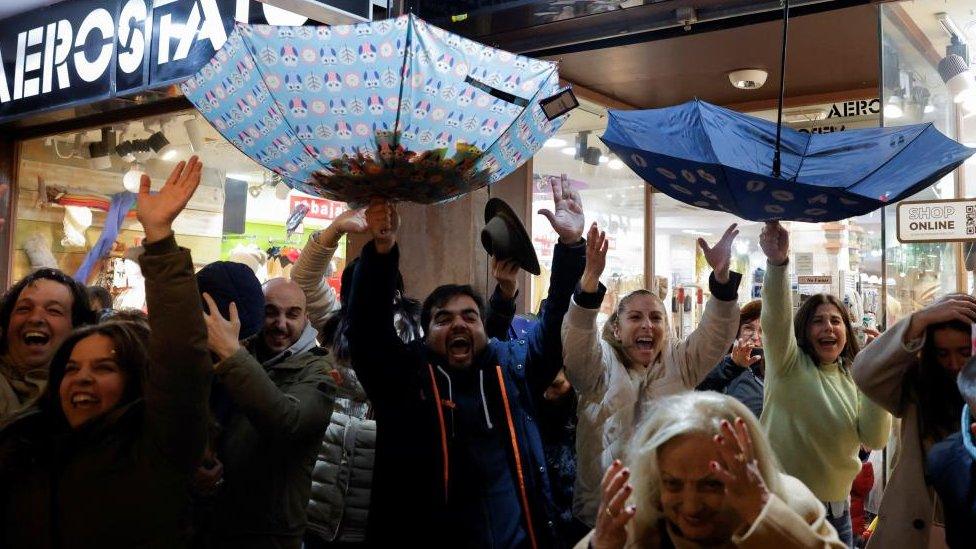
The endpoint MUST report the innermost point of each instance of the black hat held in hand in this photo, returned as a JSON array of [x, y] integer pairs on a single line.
[[504, 237]]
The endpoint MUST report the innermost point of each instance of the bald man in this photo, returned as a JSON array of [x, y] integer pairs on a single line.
[[282, 398], [287, 330]]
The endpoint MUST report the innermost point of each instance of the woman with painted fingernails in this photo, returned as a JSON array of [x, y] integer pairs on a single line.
[[815, 416], [636, 358], [702, 474]]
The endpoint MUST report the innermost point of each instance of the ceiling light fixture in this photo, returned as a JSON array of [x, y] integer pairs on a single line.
[[133, 178], [957, 76], [159, 144], [100, 150], [748, 79], [893, 109]]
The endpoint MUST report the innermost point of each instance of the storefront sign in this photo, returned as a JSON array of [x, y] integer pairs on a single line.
[[937, 221], [860, 107], [814, 280], [86, 50], [318, 208]]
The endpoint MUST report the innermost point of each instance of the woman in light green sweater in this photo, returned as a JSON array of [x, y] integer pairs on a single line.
[[815, 416]]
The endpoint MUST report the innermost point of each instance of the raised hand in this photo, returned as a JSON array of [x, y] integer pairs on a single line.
[[382, 222], [596, 259], [960, 307], [775, 243], [742, 353], [612, 516], [348, 222], [222, 333], [568, 218], [157, 211], [745, 489], [720, 257], [506, 273]]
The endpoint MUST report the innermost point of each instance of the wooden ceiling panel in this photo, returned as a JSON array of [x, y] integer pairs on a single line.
[[829, 52]]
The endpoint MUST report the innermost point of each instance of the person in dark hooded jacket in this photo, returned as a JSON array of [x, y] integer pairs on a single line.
[[105, 461], [459, 457]]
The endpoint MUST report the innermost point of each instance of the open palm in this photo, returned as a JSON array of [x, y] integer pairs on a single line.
[[568, 219], [157, 211], [719, 257]]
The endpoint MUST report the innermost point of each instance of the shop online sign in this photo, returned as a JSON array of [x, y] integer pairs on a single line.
[[80, 51], [937, 221]]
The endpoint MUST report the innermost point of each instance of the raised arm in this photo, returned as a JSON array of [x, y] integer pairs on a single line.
[[568, 260], [880, 369], [379, 357], [178, 380], [582, 348], [501, 304], [310, 269], [708, 343], [290, 415], [779, 341]]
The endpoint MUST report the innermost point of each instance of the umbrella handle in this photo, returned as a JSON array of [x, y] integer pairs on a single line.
[[782, 89]]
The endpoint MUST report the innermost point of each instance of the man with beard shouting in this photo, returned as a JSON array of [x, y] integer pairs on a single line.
[[459, 458]]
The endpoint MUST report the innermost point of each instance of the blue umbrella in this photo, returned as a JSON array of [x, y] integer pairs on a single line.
[[719, 159], [394, 108]]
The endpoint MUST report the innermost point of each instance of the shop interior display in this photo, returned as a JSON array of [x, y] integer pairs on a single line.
[[39, 252], [391, 88]]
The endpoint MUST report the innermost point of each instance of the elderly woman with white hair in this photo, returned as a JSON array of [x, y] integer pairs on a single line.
[[702, 474]]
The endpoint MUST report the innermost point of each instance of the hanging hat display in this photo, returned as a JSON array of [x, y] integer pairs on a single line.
[[77, 219]]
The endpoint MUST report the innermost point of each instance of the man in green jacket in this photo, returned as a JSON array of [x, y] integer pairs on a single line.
[[281, 398]]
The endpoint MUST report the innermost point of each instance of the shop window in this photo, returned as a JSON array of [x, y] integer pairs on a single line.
[[913, 93], [612, 195], [66, 183]]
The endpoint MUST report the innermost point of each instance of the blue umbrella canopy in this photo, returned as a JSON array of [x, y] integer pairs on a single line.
[[394, 108], [719, 159]]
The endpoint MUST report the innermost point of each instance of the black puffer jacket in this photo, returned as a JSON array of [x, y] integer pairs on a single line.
[[120, 480]]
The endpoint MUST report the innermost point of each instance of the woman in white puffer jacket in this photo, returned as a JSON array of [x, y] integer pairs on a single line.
[[343, 473], [636, 359]]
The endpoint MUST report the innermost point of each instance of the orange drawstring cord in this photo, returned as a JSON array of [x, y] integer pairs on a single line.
[[443, 427], [518, 459]]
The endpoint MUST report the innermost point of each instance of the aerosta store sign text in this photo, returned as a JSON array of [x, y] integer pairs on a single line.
[[85, 50]]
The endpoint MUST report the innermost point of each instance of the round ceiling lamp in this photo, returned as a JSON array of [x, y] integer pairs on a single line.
[[133, 178], [748, 79]]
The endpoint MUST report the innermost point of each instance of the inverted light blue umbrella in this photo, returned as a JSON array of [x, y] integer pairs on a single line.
[[719, 159], [394, 108]]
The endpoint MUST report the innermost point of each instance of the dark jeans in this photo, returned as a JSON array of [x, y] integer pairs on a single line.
[[842, 524]]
